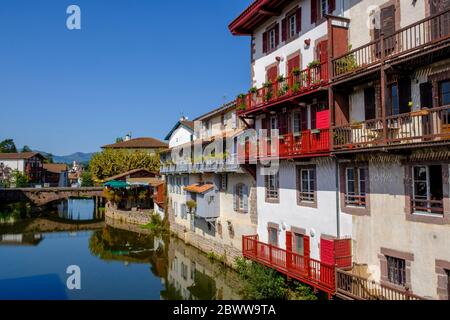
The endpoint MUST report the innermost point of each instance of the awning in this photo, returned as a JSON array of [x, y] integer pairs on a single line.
[[199, 188], [115, 184]]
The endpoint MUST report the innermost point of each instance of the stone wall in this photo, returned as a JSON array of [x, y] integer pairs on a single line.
[[132, 217]]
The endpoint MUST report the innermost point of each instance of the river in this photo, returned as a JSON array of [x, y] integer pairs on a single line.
[[113, 262]]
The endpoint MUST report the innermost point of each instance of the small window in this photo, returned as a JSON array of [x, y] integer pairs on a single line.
[[223, 182], [396, 270], [299, 244], [183, 212], [307, 184], [273, 123], [241, 198], [444, 93], [355, 183], [272, 42], [272, 187], [323, 5], [292, 20], [273, 236], [427, 197], [296, 122]]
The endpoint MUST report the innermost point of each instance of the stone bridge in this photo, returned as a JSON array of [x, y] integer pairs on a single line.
[[42, 196]]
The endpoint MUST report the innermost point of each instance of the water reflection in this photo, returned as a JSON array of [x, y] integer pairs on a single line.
[[77, 209], [116, 264]]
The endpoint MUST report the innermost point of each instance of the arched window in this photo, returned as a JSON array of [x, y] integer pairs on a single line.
[[241, 198]]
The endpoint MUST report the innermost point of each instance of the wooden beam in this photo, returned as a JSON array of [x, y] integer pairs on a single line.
[[271, 13]]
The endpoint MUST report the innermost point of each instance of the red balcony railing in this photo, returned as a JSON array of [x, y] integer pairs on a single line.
[[423, 126], [310, 271], [298, 83], [303, 143], [413, 38]]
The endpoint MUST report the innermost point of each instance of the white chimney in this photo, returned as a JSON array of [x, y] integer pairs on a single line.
[[128, 137]]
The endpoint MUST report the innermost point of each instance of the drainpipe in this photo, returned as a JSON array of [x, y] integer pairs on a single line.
[[338, 220]]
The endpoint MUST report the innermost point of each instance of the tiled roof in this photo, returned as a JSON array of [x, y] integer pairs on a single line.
[[19, 156], [199, 188], [123, 175], [55, 167], [222, 108], [145, 143]]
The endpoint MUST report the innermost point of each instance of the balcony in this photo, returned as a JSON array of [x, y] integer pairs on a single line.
[[299, 83], [418, 38], [426, 126], [307, 270], [355, 287], [228, 164]]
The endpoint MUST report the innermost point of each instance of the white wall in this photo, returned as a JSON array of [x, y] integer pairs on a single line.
[[179, 136], [287, 214], [14, 164], [309, 31], [387, 227]]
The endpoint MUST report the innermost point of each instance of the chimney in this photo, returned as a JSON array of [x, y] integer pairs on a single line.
[[127, 137]]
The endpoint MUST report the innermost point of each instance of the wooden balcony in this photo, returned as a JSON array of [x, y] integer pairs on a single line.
[[426, 126], [284, 89], [307, 270], [420, 37], [354, 287]]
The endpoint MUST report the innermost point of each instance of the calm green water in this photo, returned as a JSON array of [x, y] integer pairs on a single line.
[[115, 264]]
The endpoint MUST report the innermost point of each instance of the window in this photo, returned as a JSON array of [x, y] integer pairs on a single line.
[[223, 182], [185, 183], [183, 212], [393, 103], [272, 187], [396, 270], [448, 283], [299, 247], [369, 103], [272, 42], [241, 198], [184, 271], [178, 185], [323, 6], [170, 183], [292, 25], [296, 122], [306, 184], [427, 190], [273, 123], [444, 93], [355, 184], [273, 236]]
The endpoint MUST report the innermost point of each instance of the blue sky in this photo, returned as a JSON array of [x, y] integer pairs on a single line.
[[135, 65]]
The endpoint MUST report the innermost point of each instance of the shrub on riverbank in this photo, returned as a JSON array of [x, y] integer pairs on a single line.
[[156, 224], [260, 282]]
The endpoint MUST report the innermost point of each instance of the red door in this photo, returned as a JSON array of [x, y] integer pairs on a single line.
[[306, 253], [322, 55], [272, 74]]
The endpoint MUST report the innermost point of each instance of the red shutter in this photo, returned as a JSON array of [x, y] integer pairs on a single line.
[[298, 19], [313, 11], [293, 63], [277, 35], [283, 30], [327, 251], [306, 248], [265, 42], [331, 6], [304, 119], [288, 241], [343, 253]]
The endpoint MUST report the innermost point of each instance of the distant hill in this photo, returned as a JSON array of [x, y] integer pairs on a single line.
[[79, 157]]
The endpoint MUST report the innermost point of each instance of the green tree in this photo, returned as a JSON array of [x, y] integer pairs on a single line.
[[20, 179], [110, 162], [48, 158], [119, 139], [8, 146], [26, 149], [86, 179]]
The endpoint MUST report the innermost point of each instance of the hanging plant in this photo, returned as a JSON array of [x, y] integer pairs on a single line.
[[253, 90], [296, 71], [267, 84], [280, 78], [313, 64]]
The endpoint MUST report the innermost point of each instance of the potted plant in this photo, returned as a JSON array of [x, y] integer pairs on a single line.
[[267, 84], [313, 64], [296, 87], [280, 78], [253, 90], [191, 205], [296, 71]]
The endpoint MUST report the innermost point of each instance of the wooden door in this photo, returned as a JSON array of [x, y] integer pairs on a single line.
[[387, 27], [322, 57], [292, 64], [272, 74]]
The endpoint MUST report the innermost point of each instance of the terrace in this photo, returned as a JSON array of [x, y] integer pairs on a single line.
[[299, 83]]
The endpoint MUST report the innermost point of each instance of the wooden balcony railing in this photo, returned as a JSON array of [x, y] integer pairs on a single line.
[[356, 287], [410, 39], [424, 126], [310, 271], [299, 83]]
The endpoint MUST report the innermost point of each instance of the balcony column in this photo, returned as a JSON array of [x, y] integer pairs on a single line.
[[383, 89], [330, 76]]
